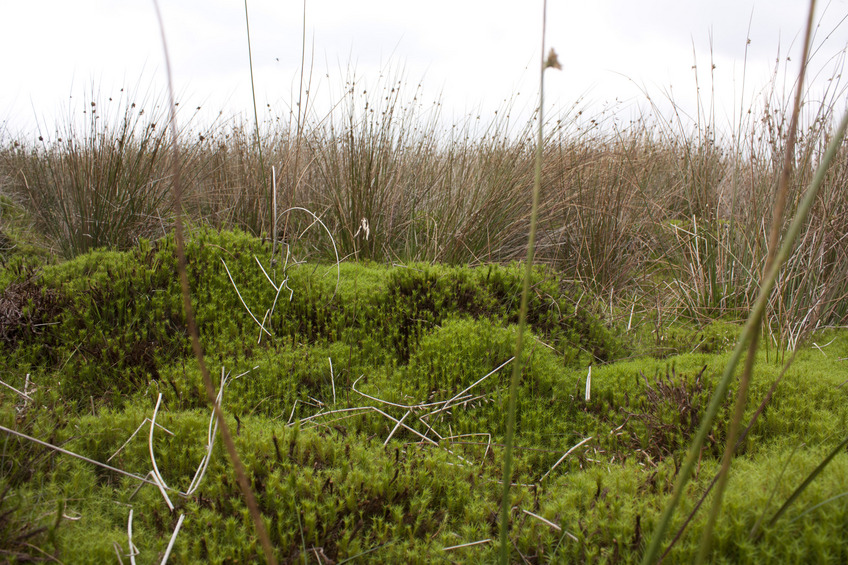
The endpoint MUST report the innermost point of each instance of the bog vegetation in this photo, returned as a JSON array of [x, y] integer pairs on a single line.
[[367, 397]]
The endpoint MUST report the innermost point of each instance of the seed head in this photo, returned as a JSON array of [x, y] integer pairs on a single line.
[[553, 61]]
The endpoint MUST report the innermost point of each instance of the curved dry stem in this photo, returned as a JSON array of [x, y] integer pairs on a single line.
[[157, 476], [332, 240]]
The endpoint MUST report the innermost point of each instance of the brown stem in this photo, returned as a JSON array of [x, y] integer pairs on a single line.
[[238, 466]]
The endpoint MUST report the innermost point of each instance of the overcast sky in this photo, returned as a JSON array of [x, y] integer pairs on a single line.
[[471, 53]]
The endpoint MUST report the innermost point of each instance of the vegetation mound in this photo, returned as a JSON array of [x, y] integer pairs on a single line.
[[368, 404]]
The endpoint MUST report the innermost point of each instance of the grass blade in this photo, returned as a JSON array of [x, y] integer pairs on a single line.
[[774, 239], [810, 478], [747, 334], [525, 293]]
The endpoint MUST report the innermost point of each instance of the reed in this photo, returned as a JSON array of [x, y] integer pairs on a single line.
[[620, 205]]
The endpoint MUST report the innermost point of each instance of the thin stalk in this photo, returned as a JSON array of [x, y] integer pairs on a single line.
[[810, 478], [211, 396], [255, 113], [739, 441], [525, 293], [774, 240], [301, 116], [759, 307]]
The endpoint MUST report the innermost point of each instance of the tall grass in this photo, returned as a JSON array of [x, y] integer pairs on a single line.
[[668, 208], [98, 181]]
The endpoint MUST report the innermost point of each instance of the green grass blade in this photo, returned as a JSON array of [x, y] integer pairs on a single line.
[[807, 482], [747, 334], [522, 315]]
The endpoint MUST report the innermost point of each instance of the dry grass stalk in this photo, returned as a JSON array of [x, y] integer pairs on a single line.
[[78, 456], [238, 467]]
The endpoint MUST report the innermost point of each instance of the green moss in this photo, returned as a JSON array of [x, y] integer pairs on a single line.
[[101, 337]]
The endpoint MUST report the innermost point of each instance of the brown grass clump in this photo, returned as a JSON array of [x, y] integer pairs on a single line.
[[672, 210]]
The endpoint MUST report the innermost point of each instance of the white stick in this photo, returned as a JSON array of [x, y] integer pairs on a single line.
[[210, 441], [381, 401], [26, 396], [492, 372], [488, 443], [589, 384], [438, 435], [264, 272], [548, 522], [469, 544], [133, 551], [279, 289], [399, 423], [461, 399], [316, 423], [173, 539], [296, 400], [567, 453], [332, 379], [138, 429], [385, 443], [258, 323], [262, 326], [157, 477], [284, 284], [333, 241], [72, 454], [321, 414]]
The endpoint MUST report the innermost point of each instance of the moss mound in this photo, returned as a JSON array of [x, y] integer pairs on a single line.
[[368, 405]]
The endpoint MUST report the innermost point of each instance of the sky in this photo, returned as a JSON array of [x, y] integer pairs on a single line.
[[471, 55]]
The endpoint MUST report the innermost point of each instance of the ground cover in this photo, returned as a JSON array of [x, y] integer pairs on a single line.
[[368, 404]]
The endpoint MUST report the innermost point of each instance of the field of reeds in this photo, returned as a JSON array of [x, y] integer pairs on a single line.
[[356, 273], [670, 213]]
